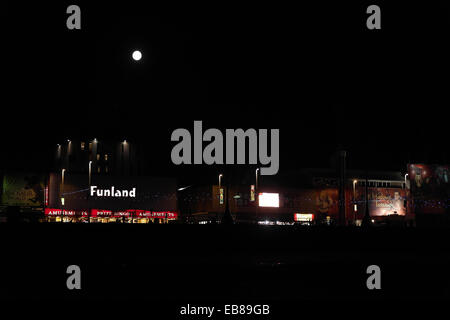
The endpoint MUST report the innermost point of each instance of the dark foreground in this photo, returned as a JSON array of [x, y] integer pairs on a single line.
[[172, 265]]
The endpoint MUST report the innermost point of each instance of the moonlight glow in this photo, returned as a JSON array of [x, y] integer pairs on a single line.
[[137, 55]]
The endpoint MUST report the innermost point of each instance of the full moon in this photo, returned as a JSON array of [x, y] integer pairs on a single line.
[[137, 55]]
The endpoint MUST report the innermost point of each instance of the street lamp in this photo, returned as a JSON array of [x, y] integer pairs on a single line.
[[122, 155], [256, 182], [405, 201], [256, 194], [220, 190], [220, 180], [89, 191], [62, 194], [90, 174], [69, 152], [62, 180], [355, 206], [220, 196]]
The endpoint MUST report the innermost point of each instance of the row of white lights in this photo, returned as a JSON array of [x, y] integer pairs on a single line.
[[95, 140]]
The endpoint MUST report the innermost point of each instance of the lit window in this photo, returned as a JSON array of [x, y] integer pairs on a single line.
[[106, 157], [98, 170], [98, 156], [106, 169], [82, 145]]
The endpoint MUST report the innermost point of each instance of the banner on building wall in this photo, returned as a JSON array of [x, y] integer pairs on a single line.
[[221, 197], [24, 190], [429, 187], [252, 192], [321, 202], [381, 201], [326, 201], [386, 201]]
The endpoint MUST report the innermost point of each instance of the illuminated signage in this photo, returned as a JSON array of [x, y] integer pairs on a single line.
[[221, 196], [59, 212], [303, 217], [150, 214], [269, 200], [46, 196], [101, 213], [120, 214], [113, 214], [112, 192], [172, 215], [158, 214], [82, 213]]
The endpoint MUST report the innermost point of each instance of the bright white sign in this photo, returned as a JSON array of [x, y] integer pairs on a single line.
[[269, 200]]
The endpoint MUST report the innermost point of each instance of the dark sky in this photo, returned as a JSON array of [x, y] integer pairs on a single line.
[[312, 70]]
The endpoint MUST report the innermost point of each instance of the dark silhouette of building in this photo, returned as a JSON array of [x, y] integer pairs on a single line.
[[101, 156]]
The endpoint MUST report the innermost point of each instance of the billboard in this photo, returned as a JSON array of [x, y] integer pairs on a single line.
[[386, 201], [429, 187], [382, 201], [24, 190]]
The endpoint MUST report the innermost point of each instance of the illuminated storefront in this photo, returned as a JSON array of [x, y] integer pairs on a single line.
[[111, 199], [108, 216]]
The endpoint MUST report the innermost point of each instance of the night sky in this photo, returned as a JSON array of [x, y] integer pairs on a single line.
[[312, 70]]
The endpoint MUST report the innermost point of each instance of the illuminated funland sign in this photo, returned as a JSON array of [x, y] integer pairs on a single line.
[[113, 214], [112, 192]]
